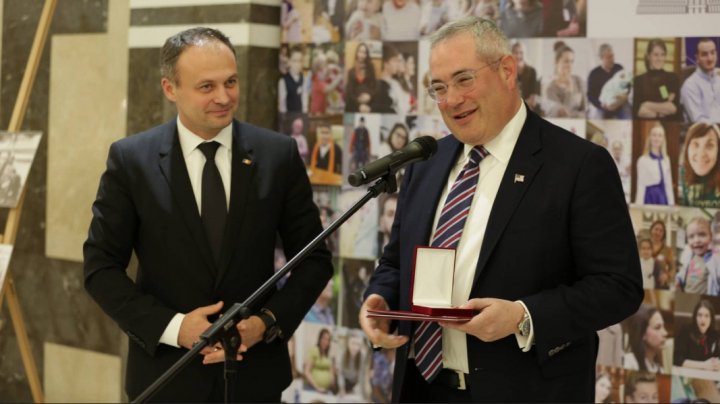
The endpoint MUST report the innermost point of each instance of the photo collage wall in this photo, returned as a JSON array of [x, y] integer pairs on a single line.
[[352, 90]]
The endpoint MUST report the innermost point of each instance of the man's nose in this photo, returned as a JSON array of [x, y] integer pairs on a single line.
[[222, 96], [454, 96]]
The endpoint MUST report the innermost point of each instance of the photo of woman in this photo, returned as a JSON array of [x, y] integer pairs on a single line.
[[565, 93], [396, 139], [700, 168], [353, 364], [647, 336], [661, 251], [361, 79], [697, 344], [320, 372], [654, 185], [656, 89]]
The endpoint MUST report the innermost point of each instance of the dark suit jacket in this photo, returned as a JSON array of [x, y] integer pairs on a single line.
[[561, 241], [145, 204]]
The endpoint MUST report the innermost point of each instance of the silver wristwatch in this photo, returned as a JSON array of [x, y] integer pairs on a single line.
[[524, 325]]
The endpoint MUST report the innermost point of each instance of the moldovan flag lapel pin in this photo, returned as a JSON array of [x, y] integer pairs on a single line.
[[519, 178]]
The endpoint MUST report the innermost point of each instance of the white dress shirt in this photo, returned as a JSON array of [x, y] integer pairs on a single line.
[[492, 169], [195, 162]]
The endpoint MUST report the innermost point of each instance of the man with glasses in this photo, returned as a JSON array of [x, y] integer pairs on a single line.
[[544, 246]]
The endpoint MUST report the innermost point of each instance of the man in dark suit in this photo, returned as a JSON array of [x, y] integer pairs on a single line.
[[150, 201], [546, 256]]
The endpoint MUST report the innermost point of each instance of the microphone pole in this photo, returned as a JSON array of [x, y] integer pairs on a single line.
[[224, 329]]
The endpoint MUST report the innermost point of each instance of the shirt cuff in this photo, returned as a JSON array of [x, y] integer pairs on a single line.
[[525, 343], [172, 331]]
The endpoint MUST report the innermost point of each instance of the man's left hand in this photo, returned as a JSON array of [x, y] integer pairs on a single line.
[[497, 319], [251, 332]]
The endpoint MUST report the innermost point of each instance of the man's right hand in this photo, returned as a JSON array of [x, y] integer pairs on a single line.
[[377, 329], [195, 323]]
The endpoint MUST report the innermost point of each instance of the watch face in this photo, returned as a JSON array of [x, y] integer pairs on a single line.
[[525, 327]]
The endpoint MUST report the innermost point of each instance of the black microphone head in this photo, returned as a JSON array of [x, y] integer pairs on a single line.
[[356, 179], [419, 149], [428, 145]]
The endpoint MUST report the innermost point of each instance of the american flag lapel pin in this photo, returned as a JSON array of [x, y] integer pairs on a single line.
[[519, 178]]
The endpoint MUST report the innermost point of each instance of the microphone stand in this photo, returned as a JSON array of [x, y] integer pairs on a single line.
[[224, 329]]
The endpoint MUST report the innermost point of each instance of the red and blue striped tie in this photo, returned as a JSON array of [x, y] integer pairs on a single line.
[[428, 335]]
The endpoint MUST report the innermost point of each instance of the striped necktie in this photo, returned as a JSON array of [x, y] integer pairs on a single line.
[[428, 335]]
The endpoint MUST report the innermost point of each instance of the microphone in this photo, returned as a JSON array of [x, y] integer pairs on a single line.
[[419, 149]]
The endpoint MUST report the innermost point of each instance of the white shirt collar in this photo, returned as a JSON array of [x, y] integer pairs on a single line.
[[501, 147], [190, 141]]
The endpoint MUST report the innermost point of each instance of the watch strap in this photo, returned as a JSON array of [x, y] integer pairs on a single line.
[[267, 318], [272, 331]]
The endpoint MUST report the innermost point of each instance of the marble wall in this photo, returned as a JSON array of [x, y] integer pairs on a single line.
[[98, 81]]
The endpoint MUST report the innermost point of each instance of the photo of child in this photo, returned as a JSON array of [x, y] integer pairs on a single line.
[[699, 274], [654, 275]]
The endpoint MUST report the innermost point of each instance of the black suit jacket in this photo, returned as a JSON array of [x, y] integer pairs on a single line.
[[560, 240], [145, 204]]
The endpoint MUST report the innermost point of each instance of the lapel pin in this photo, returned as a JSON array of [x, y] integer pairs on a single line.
[[519, 178], [246, 162]]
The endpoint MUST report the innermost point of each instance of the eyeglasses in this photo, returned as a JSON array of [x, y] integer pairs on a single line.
[[463, 81]]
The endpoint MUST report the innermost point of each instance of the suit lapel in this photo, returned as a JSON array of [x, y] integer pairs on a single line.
[[243, 170], [174, 169], [435, 179], [523, 162]]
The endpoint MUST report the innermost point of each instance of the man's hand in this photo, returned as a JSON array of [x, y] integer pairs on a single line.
[[217, 354], [251, 332], [377, 328], [497, 319], [195, 323]]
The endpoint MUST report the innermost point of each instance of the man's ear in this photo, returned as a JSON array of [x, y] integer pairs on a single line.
[[168, 88], [508, 70]]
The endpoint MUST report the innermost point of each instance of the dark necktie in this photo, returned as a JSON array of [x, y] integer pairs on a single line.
[[213, 201], [428, 335]]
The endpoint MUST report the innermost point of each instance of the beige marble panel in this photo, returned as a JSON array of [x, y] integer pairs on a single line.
[[2, 7], [241, 33], [134, 4], [73, 375], [87, 112]]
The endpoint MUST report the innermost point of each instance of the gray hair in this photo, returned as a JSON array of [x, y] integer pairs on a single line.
[[176, 44], [603, 48], [490, 42]]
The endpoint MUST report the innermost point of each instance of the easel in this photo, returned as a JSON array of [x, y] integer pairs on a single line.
[[8, 291]]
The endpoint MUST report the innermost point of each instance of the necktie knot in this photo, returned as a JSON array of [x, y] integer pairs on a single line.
[[477, 154], [209, 149]]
